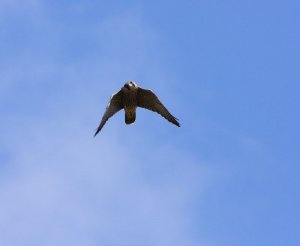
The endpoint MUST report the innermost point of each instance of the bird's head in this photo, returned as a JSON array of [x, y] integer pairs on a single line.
[[130, 85]]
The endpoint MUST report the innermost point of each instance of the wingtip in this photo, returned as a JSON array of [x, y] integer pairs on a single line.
[[176, 122], [97, 131]]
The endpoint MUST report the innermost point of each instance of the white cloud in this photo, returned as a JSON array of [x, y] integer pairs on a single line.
[[19, 8], [74, 189], [63, 187]]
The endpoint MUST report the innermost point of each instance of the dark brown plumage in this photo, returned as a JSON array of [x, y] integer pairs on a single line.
[[130, 97]]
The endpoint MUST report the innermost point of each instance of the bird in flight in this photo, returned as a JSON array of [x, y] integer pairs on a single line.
[[129, 98]]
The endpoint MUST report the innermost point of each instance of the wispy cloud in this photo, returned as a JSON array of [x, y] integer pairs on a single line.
[[61, 186], [98, 188], [21, 9]]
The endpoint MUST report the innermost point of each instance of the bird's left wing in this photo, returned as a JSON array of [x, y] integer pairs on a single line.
[[148, 100], [114, 105]]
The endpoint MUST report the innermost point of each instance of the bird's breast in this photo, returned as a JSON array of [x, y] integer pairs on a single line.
[[130, 101]]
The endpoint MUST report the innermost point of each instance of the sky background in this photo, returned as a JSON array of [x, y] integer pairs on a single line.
[[229, 70]]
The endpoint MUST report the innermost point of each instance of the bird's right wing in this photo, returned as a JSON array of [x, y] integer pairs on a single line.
[[148, 100], [114, 105]]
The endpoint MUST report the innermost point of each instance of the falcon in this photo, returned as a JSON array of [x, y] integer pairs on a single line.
[[129, 98]]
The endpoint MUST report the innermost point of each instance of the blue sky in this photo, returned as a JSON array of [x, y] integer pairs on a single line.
[[229, 70]]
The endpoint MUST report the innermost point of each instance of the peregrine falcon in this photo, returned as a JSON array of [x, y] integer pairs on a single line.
[[129, 98]]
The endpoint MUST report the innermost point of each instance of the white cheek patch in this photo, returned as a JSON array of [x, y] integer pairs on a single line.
[[132, 84]]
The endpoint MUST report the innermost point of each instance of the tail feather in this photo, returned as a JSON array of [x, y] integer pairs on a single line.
[[129, 117]]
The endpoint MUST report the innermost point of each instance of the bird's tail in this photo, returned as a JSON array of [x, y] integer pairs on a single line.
[[129, 117]]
